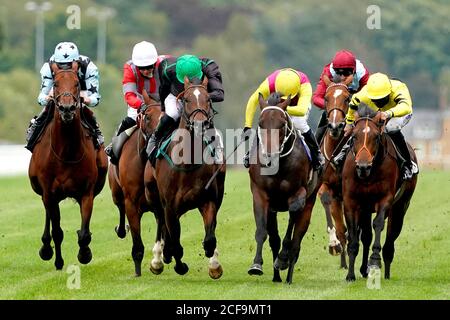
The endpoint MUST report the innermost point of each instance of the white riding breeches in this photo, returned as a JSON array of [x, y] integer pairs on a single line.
[[397, 123], [301, 123], [173, 107]]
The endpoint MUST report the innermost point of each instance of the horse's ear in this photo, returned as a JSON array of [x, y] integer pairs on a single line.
[[186, 82], [205, 82], [262, 102], [380, 123], [75, 66], [147, 99], [54, 67], [285, 103], [326, 80], [348, 80]]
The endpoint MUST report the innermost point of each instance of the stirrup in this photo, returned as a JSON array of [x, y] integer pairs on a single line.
[[247, 160]]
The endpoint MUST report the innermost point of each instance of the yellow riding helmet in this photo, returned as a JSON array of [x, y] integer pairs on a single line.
[[287, 83], [378, 86]]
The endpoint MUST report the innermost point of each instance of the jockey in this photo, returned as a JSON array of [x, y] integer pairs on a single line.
[[392, 98], [65, 53], [138, 73], [171, 74], [287, 82], [341, 67]]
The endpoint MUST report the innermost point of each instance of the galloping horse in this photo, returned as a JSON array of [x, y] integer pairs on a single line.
[[372, 183], [290, 188], [181, 182], [337, 98], [65, 164], [126, 181]]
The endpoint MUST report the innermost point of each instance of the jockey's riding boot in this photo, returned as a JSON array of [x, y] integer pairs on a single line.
[[321, 127], [409, 168], [317, 159], [126, 123], [338, 160], [164, 124], [36, 125], [92, 122]]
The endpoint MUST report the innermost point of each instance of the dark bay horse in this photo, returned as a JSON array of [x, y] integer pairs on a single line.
[[337, 98], [65, 164], [372, 183], [180, 178], [289, 188], [126, 181]]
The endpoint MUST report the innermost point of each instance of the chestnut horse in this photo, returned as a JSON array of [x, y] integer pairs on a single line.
[[126, 181], [181, 181], [337, 98], [66, 164], [280, 180], [372, 183]]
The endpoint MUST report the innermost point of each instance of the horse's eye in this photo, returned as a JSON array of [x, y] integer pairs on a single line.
[[77, 84]]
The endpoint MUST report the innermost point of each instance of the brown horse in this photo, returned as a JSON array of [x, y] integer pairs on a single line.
[[126, 181], [372, 183], [66, 164], [337, 98], [287, 188], [181, 177]]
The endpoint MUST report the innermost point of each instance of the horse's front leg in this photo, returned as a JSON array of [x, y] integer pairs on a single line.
[[157, 265], [274, 241], [352, 213], [378, 226], [84, 234], [326, 197], [46, 251], [209, 214], [174, 233], [52, 210], [260, 211]]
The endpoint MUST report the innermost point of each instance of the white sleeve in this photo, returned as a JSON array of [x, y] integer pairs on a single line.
[[92, 84], [46, 84]]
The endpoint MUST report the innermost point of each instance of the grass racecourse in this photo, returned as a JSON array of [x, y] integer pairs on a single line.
[[421, 267]]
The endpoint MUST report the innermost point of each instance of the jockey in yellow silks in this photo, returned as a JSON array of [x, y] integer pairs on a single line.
[[287, 82], [392, 98]]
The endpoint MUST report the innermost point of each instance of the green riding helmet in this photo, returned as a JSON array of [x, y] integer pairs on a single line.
[[189, 66]]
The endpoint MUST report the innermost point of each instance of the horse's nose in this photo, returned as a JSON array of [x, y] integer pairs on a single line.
[[363, 170]]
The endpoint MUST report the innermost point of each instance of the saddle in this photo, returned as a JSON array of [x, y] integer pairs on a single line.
[[118, 142]]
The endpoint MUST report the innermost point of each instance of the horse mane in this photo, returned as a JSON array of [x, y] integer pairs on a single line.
[[274, 99], [196, 81], [364, 111]]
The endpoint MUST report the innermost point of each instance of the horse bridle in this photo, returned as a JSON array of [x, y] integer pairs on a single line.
[[337, 108], [289, 130], [364, 147], [187, 117], [68, 94]]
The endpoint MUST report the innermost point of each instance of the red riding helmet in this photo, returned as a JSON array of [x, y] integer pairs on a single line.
[[344, 59]]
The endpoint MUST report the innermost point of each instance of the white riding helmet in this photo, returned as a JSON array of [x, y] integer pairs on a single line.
[[66, 52], [144, 54]]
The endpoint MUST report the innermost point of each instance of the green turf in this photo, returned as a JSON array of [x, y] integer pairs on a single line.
[[421, 267]]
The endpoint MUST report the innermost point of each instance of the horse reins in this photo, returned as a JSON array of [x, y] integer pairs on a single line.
[[289, 129]]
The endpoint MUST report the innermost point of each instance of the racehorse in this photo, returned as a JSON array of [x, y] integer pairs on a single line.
[[372, 183], [337, 98], [126, 181], [289, 188], [181, 181], [66, 164]]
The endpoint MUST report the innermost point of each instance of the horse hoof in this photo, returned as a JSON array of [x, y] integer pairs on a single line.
[[121, 232], [335, 250], [46, 253], [280, 264], [350, 278], [59, 264], [215, 273], [181, 268], [85, 255], [156, 268], [255, 270]]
